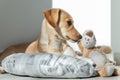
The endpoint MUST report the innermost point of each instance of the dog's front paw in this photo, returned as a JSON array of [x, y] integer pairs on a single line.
[[2, 70], [78, 53]]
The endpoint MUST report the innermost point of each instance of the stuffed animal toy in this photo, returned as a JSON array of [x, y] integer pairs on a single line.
[[105, 66]]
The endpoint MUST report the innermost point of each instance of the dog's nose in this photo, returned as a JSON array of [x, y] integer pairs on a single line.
[[94, 65], [79, 36]]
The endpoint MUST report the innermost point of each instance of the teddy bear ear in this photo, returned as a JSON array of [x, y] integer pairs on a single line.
[[88, 33]]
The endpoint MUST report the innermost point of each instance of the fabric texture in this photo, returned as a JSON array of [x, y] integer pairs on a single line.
[[47, 65], [13, 77]]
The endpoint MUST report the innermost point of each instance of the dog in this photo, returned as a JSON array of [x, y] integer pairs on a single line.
[[57, 28]]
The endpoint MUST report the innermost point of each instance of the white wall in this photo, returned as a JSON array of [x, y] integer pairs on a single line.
[[20, 20], [90, 14]]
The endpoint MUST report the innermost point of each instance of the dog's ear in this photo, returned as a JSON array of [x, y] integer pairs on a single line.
[[52, 16]]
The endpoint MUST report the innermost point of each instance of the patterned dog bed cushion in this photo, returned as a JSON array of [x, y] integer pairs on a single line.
[[47, 65]]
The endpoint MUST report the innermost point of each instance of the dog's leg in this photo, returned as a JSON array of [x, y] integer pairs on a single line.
[[13, 49], [68, 50]]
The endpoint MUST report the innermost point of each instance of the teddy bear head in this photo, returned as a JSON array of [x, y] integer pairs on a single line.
[[88, 39]]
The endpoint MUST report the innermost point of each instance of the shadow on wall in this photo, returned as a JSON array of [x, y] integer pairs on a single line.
[[117, 57], [115, 28], [20, 20]]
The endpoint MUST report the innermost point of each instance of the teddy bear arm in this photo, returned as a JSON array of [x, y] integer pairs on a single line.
[[104, 49], [86, 52]]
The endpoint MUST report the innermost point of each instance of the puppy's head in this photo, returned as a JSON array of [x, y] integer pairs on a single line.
[[62, 22]]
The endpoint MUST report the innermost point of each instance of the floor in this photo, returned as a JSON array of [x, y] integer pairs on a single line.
[[13, 77]]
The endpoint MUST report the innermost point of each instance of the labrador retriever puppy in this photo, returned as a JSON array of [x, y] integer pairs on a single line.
[[56, 29]]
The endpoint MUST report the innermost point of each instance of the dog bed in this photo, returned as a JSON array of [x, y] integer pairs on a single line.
[[47, 65]]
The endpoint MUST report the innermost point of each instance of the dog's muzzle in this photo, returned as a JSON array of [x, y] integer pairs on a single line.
[[79, 37], [72, 40]]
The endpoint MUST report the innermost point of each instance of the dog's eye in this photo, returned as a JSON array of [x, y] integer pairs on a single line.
[[69, 23]]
